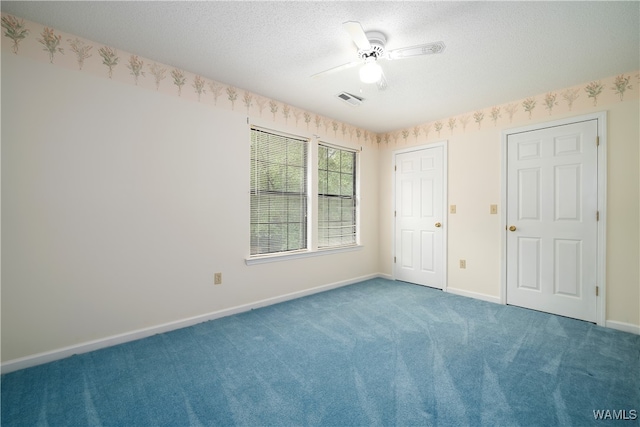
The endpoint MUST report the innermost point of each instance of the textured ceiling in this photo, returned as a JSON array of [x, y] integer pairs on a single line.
[[496, 52]]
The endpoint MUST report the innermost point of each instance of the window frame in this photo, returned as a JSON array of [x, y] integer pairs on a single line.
[[312, 201], [354, 196], [281, 195]]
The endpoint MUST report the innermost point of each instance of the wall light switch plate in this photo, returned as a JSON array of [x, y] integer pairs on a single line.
[[452, 209], [493, 209], [463, 263]]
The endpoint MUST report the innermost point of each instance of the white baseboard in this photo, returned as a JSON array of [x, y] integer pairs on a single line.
[[621, 326], [50, 356], [470, 294], [61, 353]]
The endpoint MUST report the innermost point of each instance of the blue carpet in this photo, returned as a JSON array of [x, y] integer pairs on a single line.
[[375, 353]]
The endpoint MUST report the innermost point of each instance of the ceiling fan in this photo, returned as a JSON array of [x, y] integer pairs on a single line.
[[371, 48]]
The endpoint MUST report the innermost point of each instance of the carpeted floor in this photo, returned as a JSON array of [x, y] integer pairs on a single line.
[[374, 353]]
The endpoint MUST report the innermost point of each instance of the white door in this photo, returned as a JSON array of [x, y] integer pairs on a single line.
[[552, 203], [420, 218]]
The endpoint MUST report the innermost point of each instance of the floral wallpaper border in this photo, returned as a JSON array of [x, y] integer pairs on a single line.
[[576, 98], [43, 43], [39, 42]]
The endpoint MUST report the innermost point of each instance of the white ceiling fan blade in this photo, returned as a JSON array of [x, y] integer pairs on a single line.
[[357, 34], [382, 83], [423, 49], [335, 69]]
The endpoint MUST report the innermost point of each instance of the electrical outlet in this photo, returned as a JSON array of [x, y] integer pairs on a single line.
[[493, 209], [217, 279], [463, 263], [452, 209]]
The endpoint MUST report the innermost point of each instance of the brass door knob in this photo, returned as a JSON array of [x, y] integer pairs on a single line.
[[512, 228], [438, 225]]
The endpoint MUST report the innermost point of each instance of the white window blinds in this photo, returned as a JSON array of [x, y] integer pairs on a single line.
[[336, 197], [278, 192]]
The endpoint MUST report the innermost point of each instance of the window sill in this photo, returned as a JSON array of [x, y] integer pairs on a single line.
[[263, 259]]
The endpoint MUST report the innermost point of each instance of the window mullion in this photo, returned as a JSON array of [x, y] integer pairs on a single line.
[[312, 219]]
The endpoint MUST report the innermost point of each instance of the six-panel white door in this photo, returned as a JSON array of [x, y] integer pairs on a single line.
[[552, 204], [420, 216]]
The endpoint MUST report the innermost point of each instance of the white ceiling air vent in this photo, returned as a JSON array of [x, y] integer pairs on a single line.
[[350, 99]]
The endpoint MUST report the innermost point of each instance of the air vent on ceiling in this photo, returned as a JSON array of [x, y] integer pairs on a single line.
[[350, 99]]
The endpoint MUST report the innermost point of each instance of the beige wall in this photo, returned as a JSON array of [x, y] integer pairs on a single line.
[[623, 213], [119, 204], [475, 183]]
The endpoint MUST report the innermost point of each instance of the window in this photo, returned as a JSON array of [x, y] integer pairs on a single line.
[[278, 193], [286, 222], [336, 197]]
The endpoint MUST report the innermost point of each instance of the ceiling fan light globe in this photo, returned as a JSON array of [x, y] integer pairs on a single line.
[[370, 72]]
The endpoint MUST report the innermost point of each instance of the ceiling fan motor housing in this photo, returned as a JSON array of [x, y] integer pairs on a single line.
[[377, 41]]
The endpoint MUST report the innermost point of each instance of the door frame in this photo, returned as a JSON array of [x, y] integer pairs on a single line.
[[445, 195], [601, 118]]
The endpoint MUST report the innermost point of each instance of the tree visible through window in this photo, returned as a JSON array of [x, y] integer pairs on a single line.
[[336, 197], [278, 193]]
